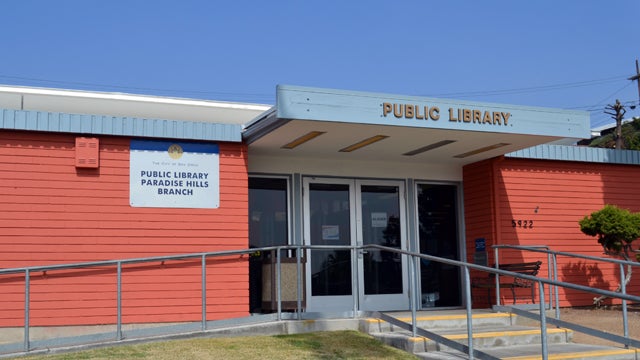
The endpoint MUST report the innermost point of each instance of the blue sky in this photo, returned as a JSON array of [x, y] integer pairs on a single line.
[[555, 53]]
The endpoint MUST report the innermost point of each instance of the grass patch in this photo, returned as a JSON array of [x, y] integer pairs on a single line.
[[317, 345]]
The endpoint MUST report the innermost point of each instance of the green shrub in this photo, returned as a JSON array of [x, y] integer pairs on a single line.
[[615, 228]]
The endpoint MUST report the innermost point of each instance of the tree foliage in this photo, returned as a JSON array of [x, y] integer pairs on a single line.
[[630, 137], [615, 228]]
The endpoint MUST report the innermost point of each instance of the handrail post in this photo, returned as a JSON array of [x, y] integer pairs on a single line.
[[27, 295], [549, 265], [354, 277], [625, 319], [467, 290], [204, 292], [299, 282], [555, 287], [543, 323], [417, 286], [412, 294], [119, 301], [497, 265], [278, 288]]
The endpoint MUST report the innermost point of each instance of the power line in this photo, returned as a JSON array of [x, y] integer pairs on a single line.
[[599, 107], [533, 88], [268, 97], [598, 116], [636, 77], [599, 103], [467, 93]]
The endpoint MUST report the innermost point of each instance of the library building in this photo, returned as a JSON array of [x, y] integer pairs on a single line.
[[124, 206]]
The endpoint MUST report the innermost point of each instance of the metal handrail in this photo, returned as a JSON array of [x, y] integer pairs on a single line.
[[118, 264], [131, 261], [508, 273], [413, 267], [554, 255], [552, 290], [588, 257], [626, 340]]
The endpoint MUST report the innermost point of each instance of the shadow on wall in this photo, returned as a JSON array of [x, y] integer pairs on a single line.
[[582, 273]]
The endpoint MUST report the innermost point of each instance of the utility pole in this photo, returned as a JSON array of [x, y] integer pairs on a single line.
[[636, 78], [619, 113]]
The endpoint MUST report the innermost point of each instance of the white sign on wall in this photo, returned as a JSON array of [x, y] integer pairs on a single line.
[[174, 174]]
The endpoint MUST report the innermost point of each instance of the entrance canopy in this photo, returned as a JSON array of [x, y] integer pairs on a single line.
[[326, 123]]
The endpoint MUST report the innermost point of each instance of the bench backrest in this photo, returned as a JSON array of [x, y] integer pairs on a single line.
[[527, 268]]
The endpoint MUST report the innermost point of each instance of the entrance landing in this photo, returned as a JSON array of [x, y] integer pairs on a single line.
[[496, 335]]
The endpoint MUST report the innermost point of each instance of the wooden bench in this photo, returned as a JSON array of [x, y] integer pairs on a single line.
[[508, 282]]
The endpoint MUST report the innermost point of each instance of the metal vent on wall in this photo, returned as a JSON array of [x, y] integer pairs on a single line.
[[87, 152]]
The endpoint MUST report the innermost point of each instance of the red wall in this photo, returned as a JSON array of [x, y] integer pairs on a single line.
[[51, 212], [545, 200]]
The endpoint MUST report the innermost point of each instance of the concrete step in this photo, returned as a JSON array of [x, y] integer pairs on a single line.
[[533, 352], [441, 320], [484, 338], [495, 334]]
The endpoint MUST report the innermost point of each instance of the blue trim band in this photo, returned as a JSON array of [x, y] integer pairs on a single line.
[[118, 126]]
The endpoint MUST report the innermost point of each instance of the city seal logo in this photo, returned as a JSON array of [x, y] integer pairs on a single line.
[[175, 151]]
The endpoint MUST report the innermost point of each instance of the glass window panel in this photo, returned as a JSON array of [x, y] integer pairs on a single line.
[[381, 226], [267, 212], [268, 226], [330, 224]]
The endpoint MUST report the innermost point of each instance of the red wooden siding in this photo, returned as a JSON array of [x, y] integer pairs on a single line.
[[478, 189], [478, 196], [545, 200], [52, 212]]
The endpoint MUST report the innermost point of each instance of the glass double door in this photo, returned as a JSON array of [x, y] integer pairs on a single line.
[[341, 213]]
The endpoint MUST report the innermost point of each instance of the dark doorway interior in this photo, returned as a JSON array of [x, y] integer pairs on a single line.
[[438, 231]]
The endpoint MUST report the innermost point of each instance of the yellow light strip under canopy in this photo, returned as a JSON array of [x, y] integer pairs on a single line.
[[429, 147], [363, 143], [480, 150], [303, 139]]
